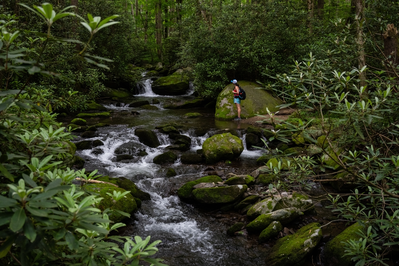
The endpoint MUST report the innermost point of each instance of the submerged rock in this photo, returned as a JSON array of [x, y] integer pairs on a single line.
[[292, 249], [222, 147], [219, 195]]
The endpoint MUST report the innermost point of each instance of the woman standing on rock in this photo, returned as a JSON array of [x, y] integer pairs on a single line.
[[237, 100]]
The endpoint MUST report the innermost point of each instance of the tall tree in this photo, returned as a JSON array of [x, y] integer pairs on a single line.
[[158, 27], [360, 19]]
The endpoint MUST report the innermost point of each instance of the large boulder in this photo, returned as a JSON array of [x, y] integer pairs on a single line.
[[284, 216], [175, 84], [222, 147], [263, 207], [219, 195], [127, 204], [335, 249], [292, 249], [148, 137], [165, 158], [256, 102], [185, 104], [271, 231], [185, 191]]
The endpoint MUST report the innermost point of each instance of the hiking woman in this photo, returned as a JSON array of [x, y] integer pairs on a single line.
[[237, 100]]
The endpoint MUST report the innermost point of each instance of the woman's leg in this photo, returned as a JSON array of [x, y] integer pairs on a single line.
[[238, 110]]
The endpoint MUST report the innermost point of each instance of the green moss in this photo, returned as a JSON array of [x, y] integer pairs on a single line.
[[164, 158], [263, 159], [192, 115], [126, 204], [274, 161], [171, 172], [247, 201], [336, 247], [236, 227], [322, 141], [103, 114], [185, 192], [265, 179], [222, 147], [149, 107], [271, 231], [79, 121], [284, 216], [249, 180], [219, 195], [134, 190], [102, 125], [292, 249], [95, 106]]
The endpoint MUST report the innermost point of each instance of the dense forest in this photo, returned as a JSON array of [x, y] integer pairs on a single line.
[[335, 61]]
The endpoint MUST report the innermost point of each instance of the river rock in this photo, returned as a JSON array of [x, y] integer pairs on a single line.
[[265, 179], [263, 207], [191, 158], [222, 147], [165, 158], [236, 227], [139, 103], [182, 142], [240, 180], [84, 145], [335, 249], [247, 202], [292, 249], [185, 191], [88, 134], [313, 149], [284, 216], [256, 102], [129, 148], [271, 231], [93, 106], [175, 84], [253, 140], [219, 195], [260, 170], [148, 137], [185, 104], [127, 204], [129, 185]]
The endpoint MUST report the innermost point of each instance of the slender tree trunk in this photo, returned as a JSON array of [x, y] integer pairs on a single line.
[[360, 19], [311, 15], [158, 28], [166, 29], [391, 44]]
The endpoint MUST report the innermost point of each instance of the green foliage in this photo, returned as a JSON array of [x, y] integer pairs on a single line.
[[44, 218]]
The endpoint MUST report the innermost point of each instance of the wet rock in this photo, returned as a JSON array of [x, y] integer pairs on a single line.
[[79, 122], [236, 227], [131, 148], [192, 115], [265, 179], [93, 106], [271, 231], [171, 172], [246, 202], [263, 207], [149, 107], [191, 158], [284, 216], [219, 195], [129, 185], [253, 140], [77, 128], [240, 179], [335, 249], [147, 137], [169, 129], [204, 185], [175, 84], [165, 158], [185, 191], [292, 249], [222, 147], [123, 157], [139, 103], [89, 134], [97, 151], [254, 130], [78, 162], [84, 145], [260, 170], [297, 200], [97, 143], [127, 204], [155, 101], [91, 128]]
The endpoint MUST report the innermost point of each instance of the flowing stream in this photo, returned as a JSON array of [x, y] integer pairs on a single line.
[[189, 236]]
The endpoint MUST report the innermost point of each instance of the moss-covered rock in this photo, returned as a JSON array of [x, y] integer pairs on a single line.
[[322, 141], [263, 207], [185, 191], [240, 180], [335, 249], [120, 94], [313, 149], [77, 128], [169, 129], [219, 195], [175, 84], [147, 137], [253, 140], [192, 115], [78, 162], [79, 122], [139, 103], [284, 216], [171, 172], [246, 202], [263, 159], [185, 104], [126, 204], [165, 158], [89, 134], [256, 102], [297, 200], [236, 227], [222, 147], [254, 130], [128, 185], [292, 249], [271, 231], [95, 106], [265, 179], [103, 114], [267, 133], [84, 145]]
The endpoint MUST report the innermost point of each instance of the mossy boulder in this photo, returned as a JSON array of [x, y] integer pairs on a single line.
[[139, 103], [271, 231], [292, 249], [222, 147], [89, 134], [254, 130], [127, 204], [256, 102], [77, 128], [95, 106], [169, 129], [103, 114], [199, 102], [247, 202], [147, 137], [171, 172], [175, 84], [265, 179], [297, 200], [240, 180], [129, 185], [79, 122], [263, 207], [284, 216], [234, 228], [185, 191], [192, 115], [219, 195], [165, 158], [335, 249]]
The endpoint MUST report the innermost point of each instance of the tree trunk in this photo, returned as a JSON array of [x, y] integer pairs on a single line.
[[310, 12], [391, 44], [360, 19], [166, 30], [158, 28]]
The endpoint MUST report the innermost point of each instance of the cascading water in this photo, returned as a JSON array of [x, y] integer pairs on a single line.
[[189, 236]]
